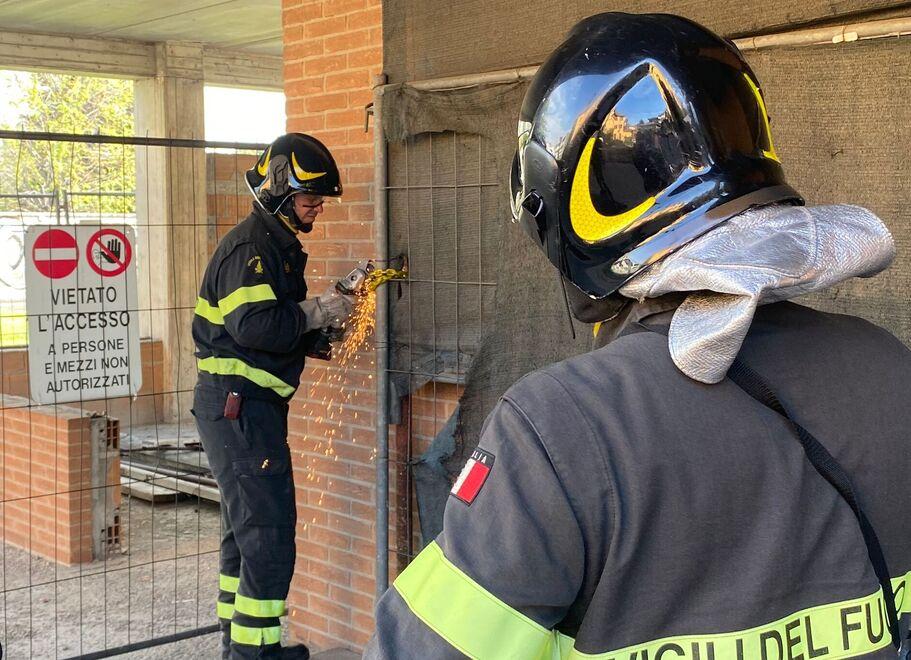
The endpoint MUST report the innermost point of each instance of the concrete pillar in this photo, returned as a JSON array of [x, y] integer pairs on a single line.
[[174, 232]]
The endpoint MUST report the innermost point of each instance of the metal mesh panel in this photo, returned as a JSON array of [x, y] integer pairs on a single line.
[[441, 191], [109, 518]]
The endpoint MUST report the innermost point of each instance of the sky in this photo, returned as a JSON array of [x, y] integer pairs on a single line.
[[232, 115], [243, 115], [11, 84]]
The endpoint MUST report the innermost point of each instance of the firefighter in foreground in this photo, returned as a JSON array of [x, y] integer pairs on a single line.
[[253, 327], [720, 479]]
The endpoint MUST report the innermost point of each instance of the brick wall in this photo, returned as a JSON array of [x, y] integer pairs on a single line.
[[46, 485], [228, 199], [332, 51], [424, 414], [141, 411]]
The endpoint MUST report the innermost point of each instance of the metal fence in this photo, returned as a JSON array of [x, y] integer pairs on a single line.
[[442, 193], [110, 527]]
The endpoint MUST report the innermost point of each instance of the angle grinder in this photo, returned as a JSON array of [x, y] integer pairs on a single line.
[[353, 284]]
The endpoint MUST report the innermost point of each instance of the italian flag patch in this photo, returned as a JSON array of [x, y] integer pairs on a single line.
[[473, 476]]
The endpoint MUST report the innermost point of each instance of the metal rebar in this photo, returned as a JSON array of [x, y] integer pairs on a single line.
[[135, 140], [442, 186], [148, 644]]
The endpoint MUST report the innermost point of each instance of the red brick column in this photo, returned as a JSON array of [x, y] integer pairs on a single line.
[[332, 51], [46, 480]]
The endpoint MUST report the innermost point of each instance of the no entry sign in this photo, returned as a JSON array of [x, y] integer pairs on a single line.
[[83, 324], [55, 253]]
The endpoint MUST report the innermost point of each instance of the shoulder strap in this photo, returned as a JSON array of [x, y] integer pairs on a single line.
[[832, 471]]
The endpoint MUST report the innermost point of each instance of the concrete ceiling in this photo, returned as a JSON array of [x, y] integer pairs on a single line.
[[248, 25]]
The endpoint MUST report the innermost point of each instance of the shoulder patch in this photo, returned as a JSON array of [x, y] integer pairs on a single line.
[[473, 476], [256, 263]]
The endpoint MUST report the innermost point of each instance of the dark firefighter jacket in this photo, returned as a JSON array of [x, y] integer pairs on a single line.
[[623, 511], [247, 324]]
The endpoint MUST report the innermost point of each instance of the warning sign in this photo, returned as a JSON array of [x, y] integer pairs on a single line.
[[55, 253], [109, 252], [83, 324]]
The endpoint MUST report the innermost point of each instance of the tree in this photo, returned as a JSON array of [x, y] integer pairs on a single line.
[[71, 104]]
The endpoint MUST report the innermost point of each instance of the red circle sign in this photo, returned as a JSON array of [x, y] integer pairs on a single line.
[[55, 253], [108, 252]]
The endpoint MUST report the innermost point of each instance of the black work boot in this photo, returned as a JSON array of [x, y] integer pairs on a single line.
[[296, 652]]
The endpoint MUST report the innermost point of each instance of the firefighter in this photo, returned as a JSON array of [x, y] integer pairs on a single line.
[[253, 327], [719, 479]]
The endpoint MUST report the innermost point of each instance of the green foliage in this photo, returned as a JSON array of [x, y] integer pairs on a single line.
[[71, 104], [13, 325]]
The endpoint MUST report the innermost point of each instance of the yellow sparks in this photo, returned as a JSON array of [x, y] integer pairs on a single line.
[[332, 392]]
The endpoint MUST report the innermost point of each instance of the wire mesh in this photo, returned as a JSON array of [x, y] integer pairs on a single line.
[[109, 520], [442, 189]]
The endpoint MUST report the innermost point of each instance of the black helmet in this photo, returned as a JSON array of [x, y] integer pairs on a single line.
[[638, 134], [294, 163]]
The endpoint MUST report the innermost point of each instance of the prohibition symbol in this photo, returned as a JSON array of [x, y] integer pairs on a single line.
[[55, 253], [108, 252]]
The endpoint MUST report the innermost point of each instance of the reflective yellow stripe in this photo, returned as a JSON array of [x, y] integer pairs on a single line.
[[469, 618], [481, 626], [208, 312], [826, 632], [235, 367], [224, 610], [770, 152], [255, 636], [246, 294], [590, 224], [259, 608], [228, 583], [902, 588]]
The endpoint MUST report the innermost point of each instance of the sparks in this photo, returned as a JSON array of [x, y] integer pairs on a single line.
[[327, 418]]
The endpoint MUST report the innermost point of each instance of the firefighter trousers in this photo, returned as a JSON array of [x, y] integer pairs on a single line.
[[251, 461]]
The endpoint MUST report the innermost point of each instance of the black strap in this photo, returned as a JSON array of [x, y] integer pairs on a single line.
[[832, 471]]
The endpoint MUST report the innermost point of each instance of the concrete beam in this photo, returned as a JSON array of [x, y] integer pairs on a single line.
[[233, 68], [120, 58], [174, 230], [115, 58]]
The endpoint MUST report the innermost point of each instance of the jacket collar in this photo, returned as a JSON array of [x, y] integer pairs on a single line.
[[654, 312], [276, 228]]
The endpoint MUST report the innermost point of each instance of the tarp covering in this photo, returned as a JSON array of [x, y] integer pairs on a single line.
[[524, 322], [435, 38]]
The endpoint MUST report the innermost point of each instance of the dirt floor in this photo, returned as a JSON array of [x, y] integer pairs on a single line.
[[163, 580]]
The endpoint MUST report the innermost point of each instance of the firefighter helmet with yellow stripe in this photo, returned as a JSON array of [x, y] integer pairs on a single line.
[[294, 163], [638, 134]]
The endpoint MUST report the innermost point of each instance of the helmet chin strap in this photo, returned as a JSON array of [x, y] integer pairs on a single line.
[[288, 217]]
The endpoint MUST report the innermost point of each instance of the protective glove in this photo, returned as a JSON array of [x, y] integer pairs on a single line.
[[330, 310]]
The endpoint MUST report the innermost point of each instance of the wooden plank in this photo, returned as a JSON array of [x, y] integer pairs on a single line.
[[149, 492], [173, 484]]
